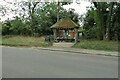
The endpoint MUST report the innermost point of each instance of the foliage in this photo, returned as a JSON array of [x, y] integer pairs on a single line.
[[15, 27]]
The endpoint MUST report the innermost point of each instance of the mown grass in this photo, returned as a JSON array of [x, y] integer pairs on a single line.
[[25, 41], [0, 39], [0, 32], [97, 45]]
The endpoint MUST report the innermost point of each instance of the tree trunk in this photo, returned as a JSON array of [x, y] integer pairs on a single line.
[[58, 7], [99, 20], [76, 35], [109, 19]]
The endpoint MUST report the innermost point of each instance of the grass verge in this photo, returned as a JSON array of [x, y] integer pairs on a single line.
[[25, 41], [39, 42], [97, 45], [0, 39]]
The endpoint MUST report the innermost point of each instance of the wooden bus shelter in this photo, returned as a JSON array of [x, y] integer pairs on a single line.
[[64, 30]]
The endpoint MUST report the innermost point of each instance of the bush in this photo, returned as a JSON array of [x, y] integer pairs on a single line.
[[91, 33]]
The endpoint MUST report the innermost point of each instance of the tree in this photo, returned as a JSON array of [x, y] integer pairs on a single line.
[[89, 25], [105, 15]]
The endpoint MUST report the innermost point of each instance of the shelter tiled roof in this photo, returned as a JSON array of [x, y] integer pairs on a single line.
[[65, 23]]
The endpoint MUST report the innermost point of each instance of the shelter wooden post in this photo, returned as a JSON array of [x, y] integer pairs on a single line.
[[76, 35], [54, 33]]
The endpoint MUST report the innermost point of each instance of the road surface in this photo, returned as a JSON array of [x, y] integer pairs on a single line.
[[0, 62], [36, 63]]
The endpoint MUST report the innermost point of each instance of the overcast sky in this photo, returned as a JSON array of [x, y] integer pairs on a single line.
[[79, 8]]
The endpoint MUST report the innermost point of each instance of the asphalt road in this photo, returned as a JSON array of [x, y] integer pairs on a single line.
[[0, 62], [35, 63]]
